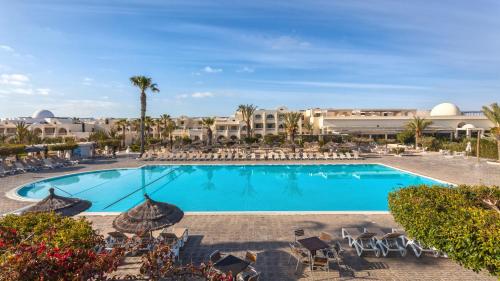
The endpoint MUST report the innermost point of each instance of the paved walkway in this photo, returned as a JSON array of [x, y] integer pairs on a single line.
[[269, 234]]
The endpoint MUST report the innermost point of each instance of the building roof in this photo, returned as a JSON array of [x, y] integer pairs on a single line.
[[445, 109], [42, 114]]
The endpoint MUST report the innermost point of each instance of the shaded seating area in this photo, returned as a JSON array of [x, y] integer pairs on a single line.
[[241, 269]]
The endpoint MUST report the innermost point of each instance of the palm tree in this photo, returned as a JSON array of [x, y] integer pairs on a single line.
[[291, 123], [247, 111], [308, 127], [122, 124], [22, 132], [418, 125], [208, 123], [148, 123], [493, 114], [144, 84], [169, 130], [164, 119]]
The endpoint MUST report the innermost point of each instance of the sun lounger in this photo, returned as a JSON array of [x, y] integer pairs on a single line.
[[20, 167], [282, 156], [391, 242], [361, 241], [356, 155], [348, 156], [253, 156], [262, 156], [342, 156], [319, 156], [326, 156], [417, 247], [305, 156], [48, 164]]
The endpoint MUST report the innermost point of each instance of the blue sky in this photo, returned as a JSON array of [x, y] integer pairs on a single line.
[[75, 57]]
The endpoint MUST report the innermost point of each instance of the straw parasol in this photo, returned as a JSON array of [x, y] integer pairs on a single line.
[[148, 216], [65, 206]]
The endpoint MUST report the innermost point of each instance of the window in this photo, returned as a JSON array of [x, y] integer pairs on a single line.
[[270, 116], [234, 128], [317, 114], [259, 126], [270, 126], [258, 116]]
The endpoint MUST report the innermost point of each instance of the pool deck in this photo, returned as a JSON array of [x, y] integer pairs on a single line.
[[268, 235]]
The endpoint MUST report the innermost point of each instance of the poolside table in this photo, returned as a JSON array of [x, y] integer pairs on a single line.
[[313, 244], [231, 263]]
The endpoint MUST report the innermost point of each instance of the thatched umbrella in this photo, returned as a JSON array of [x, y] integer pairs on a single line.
[[148, 216], [65, 206]]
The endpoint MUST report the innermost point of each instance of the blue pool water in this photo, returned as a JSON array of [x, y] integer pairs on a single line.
[[235, 187]]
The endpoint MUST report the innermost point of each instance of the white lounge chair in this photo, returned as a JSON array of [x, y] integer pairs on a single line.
[[361, 241], [282, 156], [348, 156], [342, 156], [356, 155], [417, 247], [391, 242], [253, 156]]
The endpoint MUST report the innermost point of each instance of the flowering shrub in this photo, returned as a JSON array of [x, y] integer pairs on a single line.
[[159, 264], [52, 250]]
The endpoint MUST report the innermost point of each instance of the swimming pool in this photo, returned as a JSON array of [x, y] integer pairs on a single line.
[[235, 188]]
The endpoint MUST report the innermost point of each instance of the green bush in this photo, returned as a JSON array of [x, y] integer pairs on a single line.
[[274, 139], [11, 149], [406, 137], [430, 143], [488, 148], [398, 150], [463, 222], [62, 146]]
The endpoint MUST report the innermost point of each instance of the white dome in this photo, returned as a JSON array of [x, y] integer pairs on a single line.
[[468, 126], [42, 114], [445, 109]]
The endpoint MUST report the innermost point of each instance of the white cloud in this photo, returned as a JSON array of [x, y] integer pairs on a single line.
[[87, 81], [14, 79], [209, 69], [7, 48], [23, 91], [43, 91], [246, 69], [196, 95], [200, 95]]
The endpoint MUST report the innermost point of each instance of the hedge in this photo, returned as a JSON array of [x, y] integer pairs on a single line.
[[463, 222], [12, 149], [488, 148], [63, 146]]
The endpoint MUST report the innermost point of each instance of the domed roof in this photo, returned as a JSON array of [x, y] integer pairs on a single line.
[[445, 109], [42, 114], [468, 126]]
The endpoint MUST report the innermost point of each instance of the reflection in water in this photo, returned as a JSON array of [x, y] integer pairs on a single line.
[[248, 188], [292, 187], [66, 180], [109, 175], [209, 185]]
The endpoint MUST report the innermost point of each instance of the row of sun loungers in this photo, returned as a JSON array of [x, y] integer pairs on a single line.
[[234, 156], [383, 243], [33, 164]]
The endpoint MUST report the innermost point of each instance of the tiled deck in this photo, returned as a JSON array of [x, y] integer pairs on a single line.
[[269, 234]]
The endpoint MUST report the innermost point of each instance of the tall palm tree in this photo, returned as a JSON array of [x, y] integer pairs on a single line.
[[164, 119], [291, 123], [122, 124], [208, 122], [493, 114], [247, 111], [169, 130], [308, 127], [418, 125], [144, 84], [22, 132]]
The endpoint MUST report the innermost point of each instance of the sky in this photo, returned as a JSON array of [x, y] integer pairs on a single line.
[[207, 57]]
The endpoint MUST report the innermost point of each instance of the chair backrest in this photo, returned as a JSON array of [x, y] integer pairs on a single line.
[[298, 233], [327, 237], [255, 277], [251, 257], [215, 256]]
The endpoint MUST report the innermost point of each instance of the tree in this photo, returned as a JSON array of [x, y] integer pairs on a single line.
[[144, 84], [418, 125], [148, 124], [308, 127], [247, 111], [164, 120], [22, 132], [462, 221], [169, 130], [291, 123], [208, 123], [493, 114], [122, 124]]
